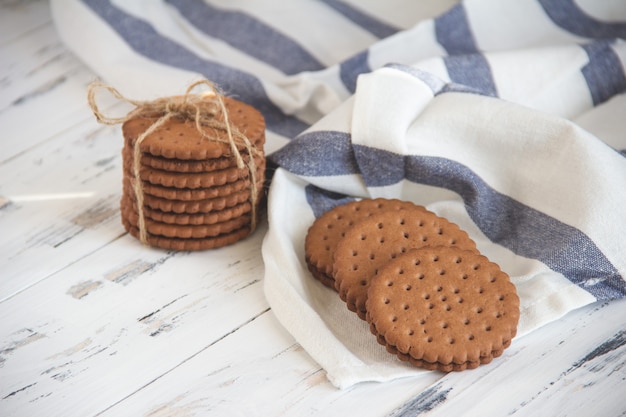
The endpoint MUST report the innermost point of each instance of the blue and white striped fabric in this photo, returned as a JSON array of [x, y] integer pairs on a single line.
[[506, 116]]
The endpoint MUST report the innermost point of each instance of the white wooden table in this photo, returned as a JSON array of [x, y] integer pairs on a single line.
[[94, 323]]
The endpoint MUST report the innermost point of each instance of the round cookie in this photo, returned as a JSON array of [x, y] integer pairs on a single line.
[[199, 188], [177, 139], [199, 218], [205, 205], [322, 237], [214, 216], [196, 194], [184, 231], [180, 165], [179, 244], [443, 308], [374, 241], [192, 180]]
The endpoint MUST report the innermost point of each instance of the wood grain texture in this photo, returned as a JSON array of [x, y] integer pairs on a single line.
[[92, 323], [542, 373]]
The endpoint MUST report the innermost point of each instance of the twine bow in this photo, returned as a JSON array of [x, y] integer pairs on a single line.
[[202, 109]]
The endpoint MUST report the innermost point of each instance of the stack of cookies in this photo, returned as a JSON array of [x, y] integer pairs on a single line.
[[195, 195], [427, 293]]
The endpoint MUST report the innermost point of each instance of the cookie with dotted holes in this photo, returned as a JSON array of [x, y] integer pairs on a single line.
[[197, 194], [211, 217], [374, 241], [322, 237], [191, 244], [194, 180], [188, 231], [191, 180], [177, 139], [443, 308], [180, 165], [204, 205]]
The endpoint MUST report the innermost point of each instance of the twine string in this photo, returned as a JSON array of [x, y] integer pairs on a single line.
[[203, 109]]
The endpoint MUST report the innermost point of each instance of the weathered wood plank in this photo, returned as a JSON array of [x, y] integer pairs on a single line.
[[42, 108], [540, 374], [60, 202], [42, 84], [569, 367], [109, 324], [259, 370]]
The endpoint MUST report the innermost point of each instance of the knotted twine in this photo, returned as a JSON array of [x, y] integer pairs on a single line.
[[202, 109]]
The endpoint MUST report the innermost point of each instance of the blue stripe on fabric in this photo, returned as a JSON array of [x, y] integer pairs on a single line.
[[453, 32], [350, 70], [321, 200], [464, 63], [374, 26], [522, 229], [567, 15], [249, 35], [473, 71], [379, 168], [604, 73], [317, 154], [143, 39]]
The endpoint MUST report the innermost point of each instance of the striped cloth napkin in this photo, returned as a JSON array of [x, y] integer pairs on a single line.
[[505, 116]]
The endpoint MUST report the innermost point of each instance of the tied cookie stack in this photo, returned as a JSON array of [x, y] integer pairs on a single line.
[[194, 169], [427, 293]]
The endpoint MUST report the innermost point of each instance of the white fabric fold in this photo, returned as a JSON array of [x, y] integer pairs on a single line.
[[545, 168]]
